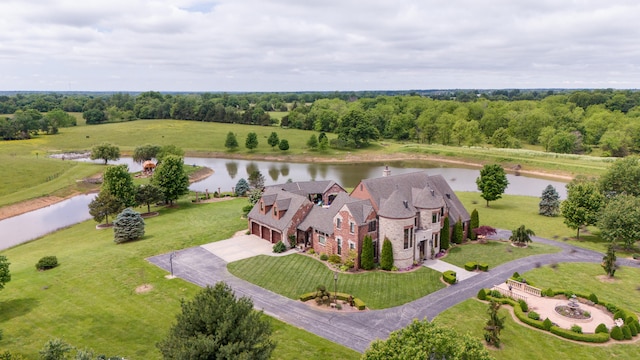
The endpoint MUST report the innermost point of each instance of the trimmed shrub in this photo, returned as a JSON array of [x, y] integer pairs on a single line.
[[620, 314], [547, 324], [444, 234], [311, 251], [483, 267], [279, 247], [515, 275], [471, 266], [590, 338], [359, 304], [474, 223], [626, 332], [616, 333], [593, 298], [633, 328], [482, 294], [533, 315], [324, 257], [495, 294], [308, 296], [458, 232], [449, 277], [526, 319], [386, 258], [47, 262], [523, 305], [602, 328], [610, 307], [335, 259], [549, 292], [628, 320], [576, 329]]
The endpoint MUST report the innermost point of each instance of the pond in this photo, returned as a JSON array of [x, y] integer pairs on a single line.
[[227, 172]]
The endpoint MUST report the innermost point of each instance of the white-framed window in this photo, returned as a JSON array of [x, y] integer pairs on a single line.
[[352, 245], [338, 223], [408, 237], [322, 240], [352, 227]]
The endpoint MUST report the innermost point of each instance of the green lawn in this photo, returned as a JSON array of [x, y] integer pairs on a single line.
[[90, 299], [523, 342], [583, 278], [296, 274], [520, 341], [512, 211], [494, 253]]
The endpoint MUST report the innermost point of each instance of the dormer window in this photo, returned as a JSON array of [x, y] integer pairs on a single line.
[[261, 207], [275, 211]]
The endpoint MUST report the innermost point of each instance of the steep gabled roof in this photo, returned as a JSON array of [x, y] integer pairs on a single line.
[[306, 187], [321, 218], [456, 209], [283, 201]]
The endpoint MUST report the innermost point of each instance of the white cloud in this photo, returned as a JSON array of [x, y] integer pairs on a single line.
[[279, 45]]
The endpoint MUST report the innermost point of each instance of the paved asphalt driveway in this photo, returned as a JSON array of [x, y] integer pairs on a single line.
[[357, 330]]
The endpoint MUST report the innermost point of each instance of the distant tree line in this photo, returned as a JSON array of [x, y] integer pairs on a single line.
[[558, 121]]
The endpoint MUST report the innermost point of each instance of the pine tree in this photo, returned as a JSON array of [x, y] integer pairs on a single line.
[[366, 257], [128, 226], [444, 234], [312, 143], [284, 145], [242, 186], [495, 324], [273, 140], [609, 260], [549, 202], [458, 232], [386, 258], [231, 142], [474, 224], [252, 141]]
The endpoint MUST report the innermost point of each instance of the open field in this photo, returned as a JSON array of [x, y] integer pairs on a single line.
[[280, 275], [523, 342], [494, 253], [90, 299]]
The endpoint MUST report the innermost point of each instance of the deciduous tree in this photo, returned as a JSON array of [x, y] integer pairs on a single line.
[[549, 202], [145, 152], [618, 220], [273, 139], [5, 274], [171, 178], [231, 142], [583, 203], [622, 177], [148, 194], [492, 182], [216, 325], [104, 205], [356, 128], [167, 150], [256, 179], [426, 340], [119, 183], [495, 324], [252, 141], [105, 152]]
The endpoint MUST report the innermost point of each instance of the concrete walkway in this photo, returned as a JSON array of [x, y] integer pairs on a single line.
[[442, 266], [357, 330]]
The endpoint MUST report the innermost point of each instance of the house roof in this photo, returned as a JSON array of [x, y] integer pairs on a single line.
[[390, 192], [321, 218], [306, 187], [283, 201]]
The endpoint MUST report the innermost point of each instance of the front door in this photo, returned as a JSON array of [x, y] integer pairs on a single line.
[[422, 255]]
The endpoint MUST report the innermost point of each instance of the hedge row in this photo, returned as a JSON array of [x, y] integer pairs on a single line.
[[449, 277], [483, 266], [565, 333], [361, 305]]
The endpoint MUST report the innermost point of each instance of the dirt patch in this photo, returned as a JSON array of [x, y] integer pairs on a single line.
[[149, 214], [144, 288], [606, 279]]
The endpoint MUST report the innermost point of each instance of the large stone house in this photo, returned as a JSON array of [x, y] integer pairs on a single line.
[[407, 209]]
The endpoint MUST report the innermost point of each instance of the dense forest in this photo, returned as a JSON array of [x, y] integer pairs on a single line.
[[558, 121]]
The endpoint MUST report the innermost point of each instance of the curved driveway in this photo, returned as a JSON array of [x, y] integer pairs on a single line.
[[357, 330]]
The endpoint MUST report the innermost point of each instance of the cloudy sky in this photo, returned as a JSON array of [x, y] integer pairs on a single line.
[[298, 45]]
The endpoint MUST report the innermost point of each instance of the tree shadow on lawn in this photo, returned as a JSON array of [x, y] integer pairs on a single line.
[[16, 307]]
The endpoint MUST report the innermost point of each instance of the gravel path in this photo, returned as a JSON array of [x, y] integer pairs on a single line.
[[357, 330]]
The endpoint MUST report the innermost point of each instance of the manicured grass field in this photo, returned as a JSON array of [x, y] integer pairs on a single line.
[[90, 299], [494, 253], [377, 289], [512, 211], [523, 342]]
